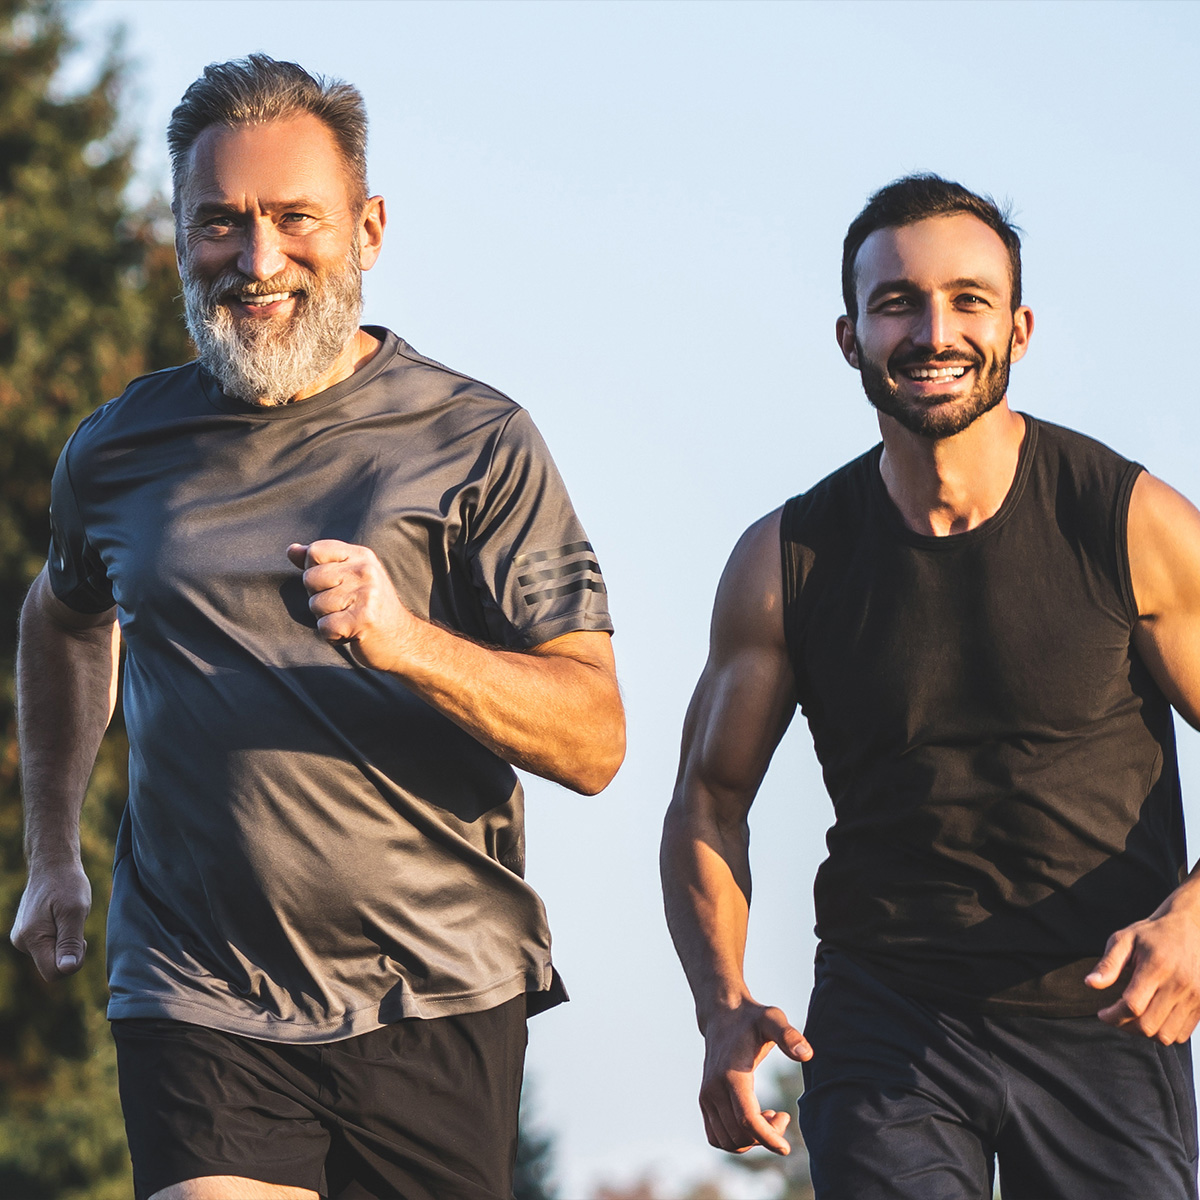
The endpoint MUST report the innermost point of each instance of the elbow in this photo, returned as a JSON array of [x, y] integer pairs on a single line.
[[595, 769]]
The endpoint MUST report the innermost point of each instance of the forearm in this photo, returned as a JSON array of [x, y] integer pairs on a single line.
[[706, 888], [66, 690], [555, 711]]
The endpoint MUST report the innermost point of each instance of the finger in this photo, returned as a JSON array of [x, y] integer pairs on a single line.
[[779, 1120], [68, 956], [324, 577], [1148, 996], [55, 958], [730, 1106], [1117, 1015], [1116, 954], [750, 1127], [718, 1126], [326, 550], [297, 552], [1178, 1025], [769, 1134], [69, 943], [332, 600]]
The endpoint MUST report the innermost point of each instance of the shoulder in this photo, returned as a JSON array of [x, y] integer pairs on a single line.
[[1084, 458], [749, 603], [1086, 484], [1163, 546], [438, 383], [146, 401], [838, 502]]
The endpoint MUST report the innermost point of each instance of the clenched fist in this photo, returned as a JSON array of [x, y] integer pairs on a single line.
[[355, 603]]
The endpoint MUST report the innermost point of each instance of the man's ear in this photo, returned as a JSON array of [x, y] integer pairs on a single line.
[[846, 341], [1022, 332], [370, 232]]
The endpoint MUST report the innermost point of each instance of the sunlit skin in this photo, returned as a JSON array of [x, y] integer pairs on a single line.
[[936, 289], [940, 289], [272, 200], [269, 204]]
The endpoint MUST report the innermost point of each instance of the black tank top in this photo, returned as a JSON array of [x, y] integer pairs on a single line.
[[1001, 764]]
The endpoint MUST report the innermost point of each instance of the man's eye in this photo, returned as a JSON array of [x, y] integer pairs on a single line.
[[295, 218], [972, 301], [895, 304]]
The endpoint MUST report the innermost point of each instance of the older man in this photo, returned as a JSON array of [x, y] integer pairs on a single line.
[[986, 620], [354, 595]]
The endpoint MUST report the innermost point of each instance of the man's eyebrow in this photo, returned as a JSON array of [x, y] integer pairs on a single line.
[[220, 208], [974, 284]]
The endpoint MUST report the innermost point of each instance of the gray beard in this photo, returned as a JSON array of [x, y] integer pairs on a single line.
[[990, 388], [269, 362]]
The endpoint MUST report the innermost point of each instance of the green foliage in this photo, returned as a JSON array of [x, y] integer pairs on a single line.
[[533, 1176], [88, 302]]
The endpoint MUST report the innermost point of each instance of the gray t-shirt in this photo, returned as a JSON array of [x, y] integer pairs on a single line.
[[309, 850]]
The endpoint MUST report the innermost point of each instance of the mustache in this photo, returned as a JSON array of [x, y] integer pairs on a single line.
[[232, 284]]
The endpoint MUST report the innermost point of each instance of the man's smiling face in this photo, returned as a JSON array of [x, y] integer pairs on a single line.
[[271, 252], [936, 331]]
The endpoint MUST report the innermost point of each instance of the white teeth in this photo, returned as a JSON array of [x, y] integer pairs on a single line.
[[936, 372], [271, 299]]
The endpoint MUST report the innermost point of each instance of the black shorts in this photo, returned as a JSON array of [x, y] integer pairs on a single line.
[[906, 1101], [420, 1109]]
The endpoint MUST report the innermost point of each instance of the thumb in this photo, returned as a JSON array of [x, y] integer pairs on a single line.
[[1116, 954], [785, 1035], [297, 555], [68, 953]]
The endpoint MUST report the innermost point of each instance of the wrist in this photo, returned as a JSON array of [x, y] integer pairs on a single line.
[[1184, 900], [723, 1005], [52, 854]]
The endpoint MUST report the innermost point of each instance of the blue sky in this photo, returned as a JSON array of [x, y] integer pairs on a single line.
[[628, 216]]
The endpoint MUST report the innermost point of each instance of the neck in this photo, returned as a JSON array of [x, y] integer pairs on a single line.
[[950, 485], [356, 353]]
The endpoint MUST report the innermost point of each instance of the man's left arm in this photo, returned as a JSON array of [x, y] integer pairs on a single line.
[[554, 710], [1162, 997]]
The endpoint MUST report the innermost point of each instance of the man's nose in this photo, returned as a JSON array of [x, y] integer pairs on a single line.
[[261, 255], [935, 327]]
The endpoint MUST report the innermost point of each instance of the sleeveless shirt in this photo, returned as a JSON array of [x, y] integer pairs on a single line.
[[1001, 764]]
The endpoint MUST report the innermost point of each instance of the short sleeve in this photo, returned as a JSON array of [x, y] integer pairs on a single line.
[[529, 556], [76, 572]]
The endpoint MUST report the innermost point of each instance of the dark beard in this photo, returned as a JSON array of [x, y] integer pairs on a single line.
[[990, 388], [265, 362]]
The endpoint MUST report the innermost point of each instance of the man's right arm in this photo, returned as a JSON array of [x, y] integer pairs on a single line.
[[66, 692], [741, 708]]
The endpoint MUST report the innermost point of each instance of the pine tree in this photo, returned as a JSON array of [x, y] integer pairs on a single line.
[[533, 1176], [87, 302]]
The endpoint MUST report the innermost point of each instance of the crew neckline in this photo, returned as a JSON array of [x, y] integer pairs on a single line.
[[952, 541], [322, 400]]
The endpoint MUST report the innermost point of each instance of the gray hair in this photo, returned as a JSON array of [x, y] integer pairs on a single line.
[[257, 89]]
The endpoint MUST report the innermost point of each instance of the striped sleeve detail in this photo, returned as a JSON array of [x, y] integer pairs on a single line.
[[548, 574]]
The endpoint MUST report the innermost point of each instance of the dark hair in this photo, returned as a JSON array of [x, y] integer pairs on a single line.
[[258, 89], [916, 198]]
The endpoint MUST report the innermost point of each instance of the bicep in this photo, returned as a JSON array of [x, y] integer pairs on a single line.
[[583, 646], [745, 698], [1164, 564]]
